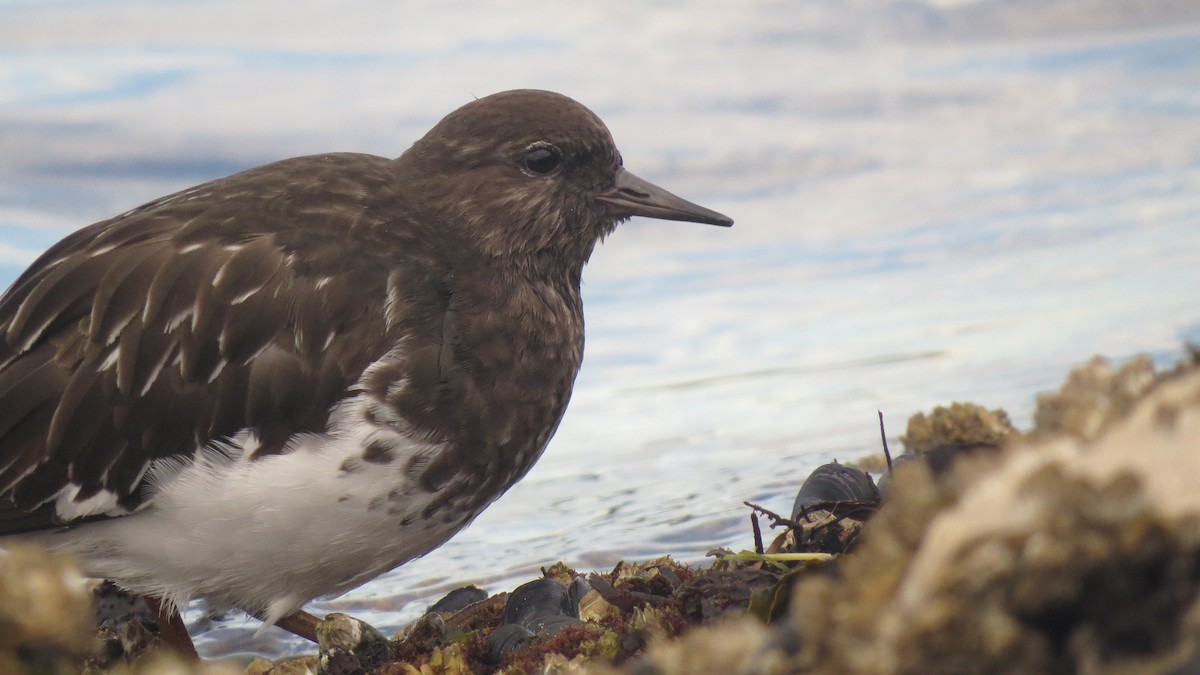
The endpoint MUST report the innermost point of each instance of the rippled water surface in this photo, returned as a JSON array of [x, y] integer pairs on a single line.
[[935, 200]]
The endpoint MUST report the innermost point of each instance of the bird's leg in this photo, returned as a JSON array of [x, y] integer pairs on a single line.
[[171, 629], [300, 623]]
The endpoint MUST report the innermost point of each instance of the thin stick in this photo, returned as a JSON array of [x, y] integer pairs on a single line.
[[776, 519], [758, 544], [883, 436]]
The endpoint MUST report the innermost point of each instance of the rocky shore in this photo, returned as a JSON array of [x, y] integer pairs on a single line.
[[1070, 547]]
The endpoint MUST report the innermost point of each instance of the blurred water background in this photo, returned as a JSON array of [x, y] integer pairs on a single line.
[[936, 200]]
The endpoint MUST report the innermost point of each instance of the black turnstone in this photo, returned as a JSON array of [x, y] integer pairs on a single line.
[[278, 385]]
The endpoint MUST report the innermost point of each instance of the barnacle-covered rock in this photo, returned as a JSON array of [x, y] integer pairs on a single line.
[[1095, 394], [1059, 552], [739, 645], [956, 424], [45, 615], [348, 645], [448, 660], [1062, 557], [298, 665]]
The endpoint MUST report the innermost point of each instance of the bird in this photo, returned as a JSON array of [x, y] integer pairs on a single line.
[[277, 385]]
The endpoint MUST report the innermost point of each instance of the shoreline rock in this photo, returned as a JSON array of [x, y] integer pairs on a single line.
[[1074, 547]]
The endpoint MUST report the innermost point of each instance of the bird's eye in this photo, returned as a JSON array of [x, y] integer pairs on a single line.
[[542, 159]]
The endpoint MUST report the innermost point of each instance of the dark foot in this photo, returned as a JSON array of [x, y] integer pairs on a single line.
[[172, 630], [300, 623]]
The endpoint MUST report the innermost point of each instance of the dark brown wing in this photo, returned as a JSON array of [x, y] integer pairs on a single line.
[[249, 303]]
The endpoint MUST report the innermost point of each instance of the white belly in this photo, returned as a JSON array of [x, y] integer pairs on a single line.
[[270, 534]]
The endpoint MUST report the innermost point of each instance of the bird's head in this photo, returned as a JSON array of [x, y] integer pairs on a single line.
[[526, 172]]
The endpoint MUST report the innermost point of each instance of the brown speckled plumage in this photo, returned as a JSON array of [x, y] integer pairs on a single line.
[[417, 319]]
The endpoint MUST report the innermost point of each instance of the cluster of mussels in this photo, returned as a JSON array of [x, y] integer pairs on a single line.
[[568, 618], [836, 500], [560, 620]]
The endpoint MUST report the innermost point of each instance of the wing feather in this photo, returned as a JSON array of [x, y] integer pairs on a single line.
[[60, 296], [79, 413], [187, 321], [121, 294], [27, 384]]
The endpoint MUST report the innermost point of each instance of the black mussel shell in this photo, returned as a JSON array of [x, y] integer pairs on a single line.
[[506, 638], [458, 599], [834, 483], [538, 608], [537, 600]]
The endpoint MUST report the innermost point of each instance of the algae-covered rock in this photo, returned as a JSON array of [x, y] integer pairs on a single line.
[[739, 645], [959, 423], [45, 611], [1073, 549], [1094, 395], [294, 665], [1063, 557], [165, 663], [47, 625], [348, 645]]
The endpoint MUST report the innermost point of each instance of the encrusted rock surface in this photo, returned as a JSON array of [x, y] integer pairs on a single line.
[[1074, 547]]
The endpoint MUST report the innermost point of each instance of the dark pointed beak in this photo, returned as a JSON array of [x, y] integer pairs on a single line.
[[632, 196]]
